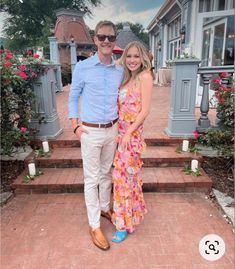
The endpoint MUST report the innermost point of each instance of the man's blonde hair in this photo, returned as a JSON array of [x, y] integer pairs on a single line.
[[105, 23], [145, 61]]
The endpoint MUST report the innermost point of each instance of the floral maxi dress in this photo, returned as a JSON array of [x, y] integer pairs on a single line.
[[129, 205]]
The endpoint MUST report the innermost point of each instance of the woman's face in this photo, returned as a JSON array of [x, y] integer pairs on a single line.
[[133, 61]]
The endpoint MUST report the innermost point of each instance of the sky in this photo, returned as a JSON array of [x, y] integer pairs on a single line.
[[134, 11]]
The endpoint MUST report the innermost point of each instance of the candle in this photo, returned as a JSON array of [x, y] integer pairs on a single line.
[[194, 165], [45, 146], [32, 169], [185, 145]]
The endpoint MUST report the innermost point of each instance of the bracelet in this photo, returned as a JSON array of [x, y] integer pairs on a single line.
[[76, 129]]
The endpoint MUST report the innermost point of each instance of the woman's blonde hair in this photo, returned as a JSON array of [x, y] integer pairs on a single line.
[[145, 61]]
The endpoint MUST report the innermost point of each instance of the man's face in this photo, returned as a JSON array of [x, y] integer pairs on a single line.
[[105, 40]]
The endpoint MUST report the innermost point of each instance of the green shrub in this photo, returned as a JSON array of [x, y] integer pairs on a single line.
[[17, 97]]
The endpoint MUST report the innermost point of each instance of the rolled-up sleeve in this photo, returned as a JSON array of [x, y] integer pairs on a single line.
[[75, 91]]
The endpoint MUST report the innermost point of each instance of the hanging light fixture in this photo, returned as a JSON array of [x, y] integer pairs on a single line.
[[182, 34]]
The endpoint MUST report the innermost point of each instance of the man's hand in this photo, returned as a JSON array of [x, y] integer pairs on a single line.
[[79, 132]]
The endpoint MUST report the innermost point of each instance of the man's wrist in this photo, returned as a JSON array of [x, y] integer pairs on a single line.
[[75, 129]]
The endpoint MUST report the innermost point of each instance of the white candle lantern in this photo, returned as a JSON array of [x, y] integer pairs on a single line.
[[194, 165], [185, 145], [45, 145], [32, 169]]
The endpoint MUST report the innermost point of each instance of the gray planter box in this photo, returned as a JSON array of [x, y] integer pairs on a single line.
[[207, 151], [45, 107], [182, 120]]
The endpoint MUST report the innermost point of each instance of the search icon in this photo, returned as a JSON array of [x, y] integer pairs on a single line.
[[212, 247]]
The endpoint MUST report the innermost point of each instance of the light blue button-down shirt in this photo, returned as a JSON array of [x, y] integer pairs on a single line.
[[97, 85]]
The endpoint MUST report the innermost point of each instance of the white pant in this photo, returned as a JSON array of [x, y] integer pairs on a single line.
[[98, 149]]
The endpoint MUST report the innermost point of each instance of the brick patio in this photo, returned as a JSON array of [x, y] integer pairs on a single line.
[[50, 231]]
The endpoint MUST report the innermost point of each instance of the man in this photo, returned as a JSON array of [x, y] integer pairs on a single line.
[[96, 81]]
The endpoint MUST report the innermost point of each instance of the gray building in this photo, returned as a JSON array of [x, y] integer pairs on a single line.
[[202, 28]]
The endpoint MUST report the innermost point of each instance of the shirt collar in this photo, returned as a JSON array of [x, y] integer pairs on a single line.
[[96, 60]]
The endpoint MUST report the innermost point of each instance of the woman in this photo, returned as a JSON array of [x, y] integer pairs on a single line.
[[134, 105]]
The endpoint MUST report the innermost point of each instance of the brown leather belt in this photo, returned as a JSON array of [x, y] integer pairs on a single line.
[[100, 125]]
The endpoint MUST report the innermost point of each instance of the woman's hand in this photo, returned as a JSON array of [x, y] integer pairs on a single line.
[[126, 141]]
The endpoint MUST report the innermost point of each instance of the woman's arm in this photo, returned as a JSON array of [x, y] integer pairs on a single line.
[[146, 87]]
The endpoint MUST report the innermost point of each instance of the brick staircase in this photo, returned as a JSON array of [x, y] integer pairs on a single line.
[[162, 165], [162, 170]]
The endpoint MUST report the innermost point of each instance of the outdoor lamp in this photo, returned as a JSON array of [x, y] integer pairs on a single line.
[[182, 34], [52, 29], [72, 38], [159, 45]]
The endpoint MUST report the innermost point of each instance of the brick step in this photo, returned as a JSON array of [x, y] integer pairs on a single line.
[[73, 142], [59, 180], [160, 156]]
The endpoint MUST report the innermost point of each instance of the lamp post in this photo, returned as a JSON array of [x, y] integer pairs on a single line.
[[182, 34], [159, 45]]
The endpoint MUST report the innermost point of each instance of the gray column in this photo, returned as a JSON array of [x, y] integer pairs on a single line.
[[73, 55], [204, 122], [160, 52], [55, 60], [182, 120], [46, 120]]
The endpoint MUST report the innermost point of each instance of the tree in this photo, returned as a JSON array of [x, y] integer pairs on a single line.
[[137, 29], [30, 20]]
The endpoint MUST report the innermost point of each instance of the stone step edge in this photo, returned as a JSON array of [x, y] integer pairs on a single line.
[[201, 184], [147, 187], [147, 162], [66, 143]]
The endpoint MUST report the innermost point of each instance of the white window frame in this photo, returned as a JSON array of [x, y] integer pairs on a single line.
[[212, 27]]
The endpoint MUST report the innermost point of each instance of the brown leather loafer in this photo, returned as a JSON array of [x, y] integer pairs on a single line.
[[99, 239], [107, 215]]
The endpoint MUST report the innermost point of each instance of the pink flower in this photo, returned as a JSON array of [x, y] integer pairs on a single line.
[[29, 52], [23, 129], [196, 134], [224, 74], [9, 56], [216, 81], [221, 100], [33, 75], [23, 75], [36, 56], [8, 64], [22, 67]]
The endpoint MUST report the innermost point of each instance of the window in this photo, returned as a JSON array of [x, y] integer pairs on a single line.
[[215, 5], [220, 5], [218, 42], [174, 28], [205, 5], [174, 49]]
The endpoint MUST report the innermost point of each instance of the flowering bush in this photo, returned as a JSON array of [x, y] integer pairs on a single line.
[[17, 97], [221, 138]]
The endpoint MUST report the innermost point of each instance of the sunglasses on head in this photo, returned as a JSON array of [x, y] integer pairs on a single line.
[[111, 38]]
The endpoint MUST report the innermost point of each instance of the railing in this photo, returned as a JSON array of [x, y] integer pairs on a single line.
[[206, 75]]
